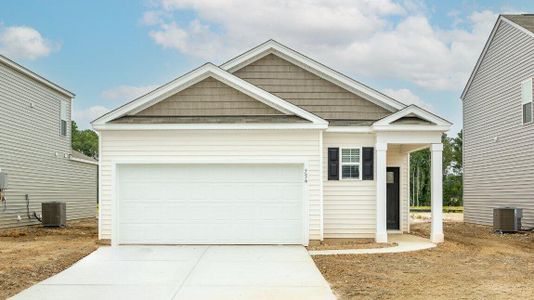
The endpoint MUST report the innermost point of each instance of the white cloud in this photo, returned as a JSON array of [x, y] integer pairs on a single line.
[[84, 117], [407, 97], [153, 17], [24, 42], [126, 92], [196, 38], [357, 37]]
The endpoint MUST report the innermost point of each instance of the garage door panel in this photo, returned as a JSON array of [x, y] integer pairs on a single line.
[[211, 173], [213, 194], [145, 212], [188, 233], [203, 204], [187, 191]]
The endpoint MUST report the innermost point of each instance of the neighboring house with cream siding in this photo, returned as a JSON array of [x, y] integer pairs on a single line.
[[35, 149], [498, 136], [270, 147]]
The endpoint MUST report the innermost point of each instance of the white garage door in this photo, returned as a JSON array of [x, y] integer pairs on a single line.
[[210, 204]]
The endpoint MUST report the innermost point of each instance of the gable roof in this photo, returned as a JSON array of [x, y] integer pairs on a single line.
[[80, 157], [524, 23], [308, 91], [273, 47], [15, 66], [412, 111], [203, 72]]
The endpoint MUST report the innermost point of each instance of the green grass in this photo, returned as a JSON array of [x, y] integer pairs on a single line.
[[446, 209]]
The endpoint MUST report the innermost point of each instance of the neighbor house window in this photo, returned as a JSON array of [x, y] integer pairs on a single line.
[[64, 118], [526, 100], [350, 163]]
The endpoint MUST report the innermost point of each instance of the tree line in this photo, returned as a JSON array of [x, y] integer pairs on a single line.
[[84, 141], [452, 173]]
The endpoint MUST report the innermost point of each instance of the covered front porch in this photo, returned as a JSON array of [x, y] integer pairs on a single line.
[[393, 181]]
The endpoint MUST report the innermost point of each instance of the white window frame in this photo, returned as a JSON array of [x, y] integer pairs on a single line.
[[526, 99], [64, 116], [341, 163]]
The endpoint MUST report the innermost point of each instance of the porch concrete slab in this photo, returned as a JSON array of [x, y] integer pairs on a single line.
[[188, 272], [405, 243]]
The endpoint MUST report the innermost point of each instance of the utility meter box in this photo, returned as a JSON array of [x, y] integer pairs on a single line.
[[3, 180]]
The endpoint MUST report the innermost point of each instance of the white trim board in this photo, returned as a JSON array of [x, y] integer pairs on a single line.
[[211, 126], [500, 19], [84, 161], [272, 46], [197, 75], [386, 123]]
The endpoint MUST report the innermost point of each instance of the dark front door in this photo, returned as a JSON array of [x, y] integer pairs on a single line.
[[393, 199]]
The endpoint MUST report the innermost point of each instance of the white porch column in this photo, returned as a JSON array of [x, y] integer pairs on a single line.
[[381, 221], [436, 233]]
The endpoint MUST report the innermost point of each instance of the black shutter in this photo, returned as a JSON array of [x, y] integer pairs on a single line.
[[367, 161], [333, 163]]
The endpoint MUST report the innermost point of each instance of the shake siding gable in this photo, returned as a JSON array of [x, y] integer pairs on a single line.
[[209, 97], [494, 135], [308, 91]]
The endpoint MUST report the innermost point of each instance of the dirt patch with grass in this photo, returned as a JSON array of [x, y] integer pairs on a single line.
[[31, 254], [473, 263], [334, 244]]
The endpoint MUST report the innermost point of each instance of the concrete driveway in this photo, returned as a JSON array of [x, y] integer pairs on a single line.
[[187, 272]]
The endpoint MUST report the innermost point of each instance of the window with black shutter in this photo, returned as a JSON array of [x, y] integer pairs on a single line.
[[333, 163], [367, 162]]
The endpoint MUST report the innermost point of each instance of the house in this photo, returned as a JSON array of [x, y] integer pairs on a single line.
[[270, 147], [35, 149], [498, 137]]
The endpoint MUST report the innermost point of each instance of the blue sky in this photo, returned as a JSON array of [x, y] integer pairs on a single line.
[[109, 52]]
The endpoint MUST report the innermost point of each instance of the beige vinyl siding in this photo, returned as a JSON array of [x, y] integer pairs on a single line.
[[29, 141], [349, 205], [209, 97], [499, 173], [397, 157], [308, 90], [221, 145]]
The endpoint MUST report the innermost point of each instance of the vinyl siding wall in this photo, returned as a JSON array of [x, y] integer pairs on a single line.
[[308, 91], [29, 141], [223, 145], [209, 97], [349, 205], [499, 173]]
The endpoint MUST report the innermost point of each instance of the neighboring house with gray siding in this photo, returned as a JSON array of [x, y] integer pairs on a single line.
[[498, 137], [35, 149]]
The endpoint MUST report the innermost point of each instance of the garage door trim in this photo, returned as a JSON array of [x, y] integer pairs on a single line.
[[115, 187]]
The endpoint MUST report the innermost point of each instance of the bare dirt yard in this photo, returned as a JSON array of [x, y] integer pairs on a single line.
[[31, 254], [473, 263]]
